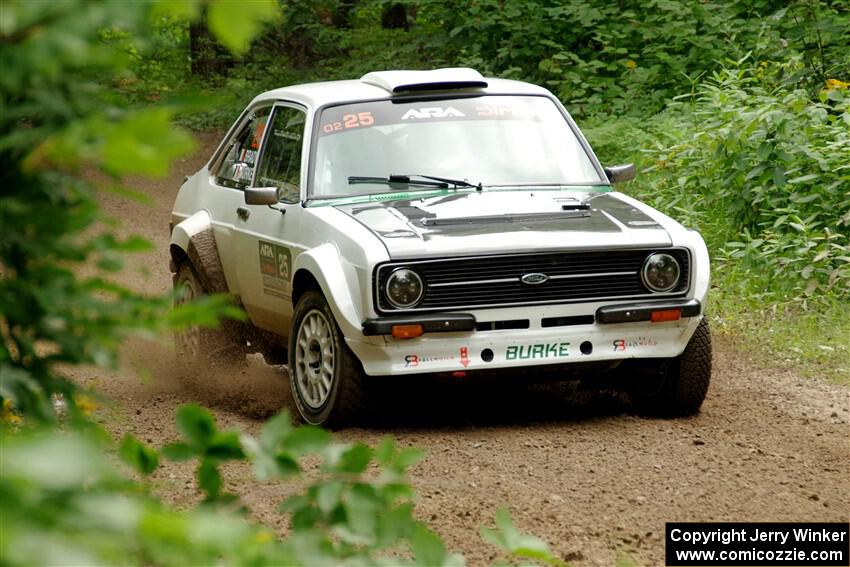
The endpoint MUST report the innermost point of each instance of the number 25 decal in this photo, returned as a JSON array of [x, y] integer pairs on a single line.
[[361, 119], [350, 121]]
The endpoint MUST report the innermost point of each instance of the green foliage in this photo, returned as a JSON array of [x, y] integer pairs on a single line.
[[85, 512], [236, 23], [210, 446], [628, 57], [754, 157], [520, 545], [143, 459], [358, 510], [759, 167], [58, 115], [809, 335], [762, 170]]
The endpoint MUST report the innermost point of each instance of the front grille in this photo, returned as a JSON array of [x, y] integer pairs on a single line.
[[494, 281]]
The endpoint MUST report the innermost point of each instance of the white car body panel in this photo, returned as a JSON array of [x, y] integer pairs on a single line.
[[444, 352], [340, 247]]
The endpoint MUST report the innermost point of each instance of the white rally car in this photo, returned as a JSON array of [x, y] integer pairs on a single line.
[[435, 222]]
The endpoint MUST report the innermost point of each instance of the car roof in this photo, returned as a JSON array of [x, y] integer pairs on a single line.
[[398, 84]]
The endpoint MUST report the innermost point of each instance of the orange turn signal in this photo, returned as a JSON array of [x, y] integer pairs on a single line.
[[406, 331], [666, 315]]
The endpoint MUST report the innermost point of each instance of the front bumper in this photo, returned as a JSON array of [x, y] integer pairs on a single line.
[[620, 332]]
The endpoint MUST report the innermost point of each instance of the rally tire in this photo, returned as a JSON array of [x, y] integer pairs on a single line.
[[198, 348], [346, 401], [680, 387]]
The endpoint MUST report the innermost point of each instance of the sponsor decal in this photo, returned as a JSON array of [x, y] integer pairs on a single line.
[[544, 350], [414, 360], [523, 112], [275, 265], [359, 116], [258, 135], [432, 112], [348, 122], [635, 342], [464, 356], [248, 156]]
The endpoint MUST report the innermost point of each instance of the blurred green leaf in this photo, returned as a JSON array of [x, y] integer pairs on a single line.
[[224, 445], [143, 459], [385, 451], [34, 458], [508, 538], [407, 457], [306, 439], [179, 452], [354, 459], [209, 479], [196, 424], [236, 23], [145, 143], [427, 547], [276, 430], [181, 9], [328, 495]]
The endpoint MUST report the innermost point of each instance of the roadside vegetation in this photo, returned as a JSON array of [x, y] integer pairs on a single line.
[[737, 113]]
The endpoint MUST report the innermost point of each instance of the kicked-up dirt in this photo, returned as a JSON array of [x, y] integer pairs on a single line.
[[580, 471]]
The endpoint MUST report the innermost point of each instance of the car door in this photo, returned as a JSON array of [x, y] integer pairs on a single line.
[[231, 171], [266, 237]]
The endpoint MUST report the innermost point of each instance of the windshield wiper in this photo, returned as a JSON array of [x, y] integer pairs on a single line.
[[455, 182], [430, 181], [396, 180]]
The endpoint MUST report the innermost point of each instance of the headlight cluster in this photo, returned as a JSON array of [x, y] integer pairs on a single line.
[[404, 288], [661, 272]]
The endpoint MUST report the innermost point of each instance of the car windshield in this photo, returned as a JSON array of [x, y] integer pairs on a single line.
[[492, 140]]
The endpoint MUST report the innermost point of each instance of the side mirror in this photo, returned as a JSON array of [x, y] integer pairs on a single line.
[[620, 173], [261, 196]]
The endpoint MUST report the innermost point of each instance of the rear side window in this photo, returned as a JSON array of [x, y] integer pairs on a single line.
[[240, 156], [280, 163]]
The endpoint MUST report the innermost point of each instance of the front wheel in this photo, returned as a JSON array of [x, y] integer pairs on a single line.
[[327, 382], [680, 385]]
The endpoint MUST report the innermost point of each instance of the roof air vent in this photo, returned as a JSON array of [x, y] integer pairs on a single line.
[[398, 82]]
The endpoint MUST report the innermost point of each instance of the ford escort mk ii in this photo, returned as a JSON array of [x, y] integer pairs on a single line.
[[436, 222]]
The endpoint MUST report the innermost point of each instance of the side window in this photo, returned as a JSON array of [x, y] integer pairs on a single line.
[[280, 164], [240, 157]]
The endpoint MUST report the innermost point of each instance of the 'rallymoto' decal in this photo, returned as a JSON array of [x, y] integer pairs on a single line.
[[414, 360], [547, 350], [276, 265], [623, 344]]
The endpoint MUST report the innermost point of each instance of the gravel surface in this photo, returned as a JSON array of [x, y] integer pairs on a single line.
[[578, 470]]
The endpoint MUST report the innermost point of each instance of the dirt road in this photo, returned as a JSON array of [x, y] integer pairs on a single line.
[[582, 473]]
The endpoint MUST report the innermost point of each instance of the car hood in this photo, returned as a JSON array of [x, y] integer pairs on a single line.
[[506, 221]]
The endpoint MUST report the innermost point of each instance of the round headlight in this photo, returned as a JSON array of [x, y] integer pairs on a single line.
[[661, 272], [404, 288]]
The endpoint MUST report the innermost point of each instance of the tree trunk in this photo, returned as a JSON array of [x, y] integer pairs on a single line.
[[394, 16]]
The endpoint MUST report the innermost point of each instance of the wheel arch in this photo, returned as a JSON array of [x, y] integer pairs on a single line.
[[322, 268], [193, 241], [302, 281]]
